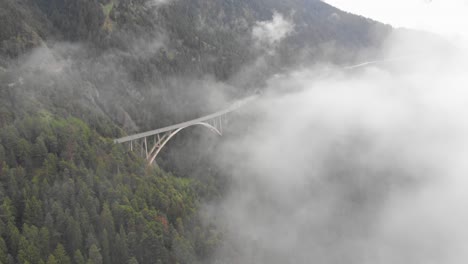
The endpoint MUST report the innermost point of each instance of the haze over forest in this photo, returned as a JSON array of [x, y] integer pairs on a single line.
[[353, 150]]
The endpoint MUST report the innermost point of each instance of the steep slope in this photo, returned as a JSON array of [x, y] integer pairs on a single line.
[[148, 53], [195, 29], [76, 73], [23, 27]]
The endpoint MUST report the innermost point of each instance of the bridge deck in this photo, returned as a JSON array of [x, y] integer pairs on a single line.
[[233, 107]]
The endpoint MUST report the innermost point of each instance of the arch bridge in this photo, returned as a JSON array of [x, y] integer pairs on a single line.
[[151, 143]]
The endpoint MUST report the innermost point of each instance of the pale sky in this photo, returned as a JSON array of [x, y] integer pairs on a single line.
[[447, 17]]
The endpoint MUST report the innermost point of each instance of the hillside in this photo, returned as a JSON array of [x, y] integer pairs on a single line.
[[76, 73], [139, 51]]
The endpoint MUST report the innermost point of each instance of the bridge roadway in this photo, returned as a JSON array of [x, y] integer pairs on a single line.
[[231, 108]]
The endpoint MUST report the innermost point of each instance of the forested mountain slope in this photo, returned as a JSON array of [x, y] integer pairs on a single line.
[[148, 52], [76, 73], [113, 55]]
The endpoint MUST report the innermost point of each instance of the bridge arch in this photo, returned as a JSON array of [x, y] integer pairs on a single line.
[[175, 132]]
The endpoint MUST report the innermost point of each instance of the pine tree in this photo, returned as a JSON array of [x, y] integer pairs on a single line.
[[28, 251], [3, 251], [94, 255], [39, 152], [105, 247], [7, 211], [2, 153], [120, 250], [13, 238], [106, 219], [51, 260], [44, 242], [60, 255], [78, 257], [33, 214], [133, 260], [73, 235]]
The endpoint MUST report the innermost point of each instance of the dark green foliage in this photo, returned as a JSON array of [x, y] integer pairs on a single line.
[[68, 195], [75, 19], [78, 257], [51, 260], [21, 28], [134, 67], [200, 37], [109, 206], [60, 255]]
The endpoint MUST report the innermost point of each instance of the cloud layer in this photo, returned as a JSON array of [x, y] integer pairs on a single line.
[[267, 34], [157, 3], [361, 166]]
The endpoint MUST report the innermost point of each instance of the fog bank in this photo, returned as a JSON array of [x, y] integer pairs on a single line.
[[352, 166]]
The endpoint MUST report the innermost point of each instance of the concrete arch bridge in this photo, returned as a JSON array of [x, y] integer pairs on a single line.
[[151, 143]]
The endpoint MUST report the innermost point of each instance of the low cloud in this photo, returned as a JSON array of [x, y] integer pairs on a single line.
[[358, 166], [147, 48], [268, 34], [157, 3]]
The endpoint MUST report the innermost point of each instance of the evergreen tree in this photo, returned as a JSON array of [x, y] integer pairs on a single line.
[[28, 251], [3, 251], [51, 260], [94, 255], [78, 257], [39, 152], [13, 238], [73, 235], [133, 260], [121, 249], [33, 214], [2, 153], [61, 256], [44, 242], [105, 247], [7, 211]]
